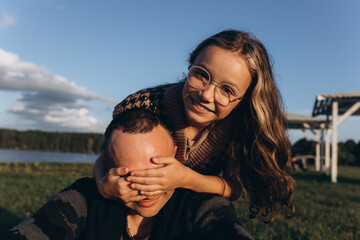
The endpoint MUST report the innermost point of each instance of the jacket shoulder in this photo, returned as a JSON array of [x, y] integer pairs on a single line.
[[62, 217], [214, 217], [150, 99]]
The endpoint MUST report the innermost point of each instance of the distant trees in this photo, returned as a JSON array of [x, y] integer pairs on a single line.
[[50, 141], [303, 147], [348, 152]]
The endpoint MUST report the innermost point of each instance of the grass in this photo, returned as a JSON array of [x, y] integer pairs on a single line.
[[323, 210], [25, 187]]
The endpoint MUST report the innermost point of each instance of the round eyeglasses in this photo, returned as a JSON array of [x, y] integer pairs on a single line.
[[225, 93]]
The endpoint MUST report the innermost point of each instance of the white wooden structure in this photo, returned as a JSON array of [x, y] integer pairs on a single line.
[[336, 107], [316, 126]]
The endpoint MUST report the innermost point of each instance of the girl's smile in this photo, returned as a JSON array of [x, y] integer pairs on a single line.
[[224, 66], [200, 108]]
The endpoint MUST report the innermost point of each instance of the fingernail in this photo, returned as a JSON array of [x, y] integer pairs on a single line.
[[124, 170], [155, 159]]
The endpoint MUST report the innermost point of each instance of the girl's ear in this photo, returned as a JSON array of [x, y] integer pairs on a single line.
[[175, 150]]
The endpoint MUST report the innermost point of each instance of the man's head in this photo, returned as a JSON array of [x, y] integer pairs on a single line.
[[131, 140]]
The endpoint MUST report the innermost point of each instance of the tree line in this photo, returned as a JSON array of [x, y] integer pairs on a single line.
[[50, 141], [348, 151]]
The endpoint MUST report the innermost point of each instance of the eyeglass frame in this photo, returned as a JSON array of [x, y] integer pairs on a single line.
[[211, 80]]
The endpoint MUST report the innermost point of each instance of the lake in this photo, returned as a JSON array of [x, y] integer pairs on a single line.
[[37, 156]]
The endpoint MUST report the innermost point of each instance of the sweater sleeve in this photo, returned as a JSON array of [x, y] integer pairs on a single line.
[[62, 217], [150, 99], [215, 218]]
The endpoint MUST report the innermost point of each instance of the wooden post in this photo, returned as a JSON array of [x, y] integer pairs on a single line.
[[327, 152], [322, 148], [317, 147], [334, 159]]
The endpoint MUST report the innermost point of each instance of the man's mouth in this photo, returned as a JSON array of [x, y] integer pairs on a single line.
[[146, 203]]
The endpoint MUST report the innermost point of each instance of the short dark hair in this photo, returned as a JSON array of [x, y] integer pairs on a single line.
[[133, 121]]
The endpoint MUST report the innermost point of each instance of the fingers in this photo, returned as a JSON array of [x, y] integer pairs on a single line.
[[154, 172], [123, 187], [146, 188], [137, 198], [116, 172], [148, 180], [124, 192], [163, 160], [148, 194], [113, 185]]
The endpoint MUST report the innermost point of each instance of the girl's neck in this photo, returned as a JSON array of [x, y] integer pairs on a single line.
[[139, 227], [192, 133]]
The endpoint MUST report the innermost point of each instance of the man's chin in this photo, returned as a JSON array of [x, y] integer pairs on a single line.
[[147, 208], [147, 212], [150, 207]]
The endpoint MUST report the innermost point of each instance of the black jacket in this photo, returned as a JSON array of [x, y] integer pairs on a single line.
[[79, 212]]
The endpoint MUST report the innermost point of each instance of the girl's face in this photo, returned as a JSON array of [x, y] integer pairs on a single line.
[[224, 66]]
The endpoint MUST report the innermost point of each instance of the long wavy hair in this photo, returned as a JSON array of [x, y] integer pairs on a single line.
[[260, 151]]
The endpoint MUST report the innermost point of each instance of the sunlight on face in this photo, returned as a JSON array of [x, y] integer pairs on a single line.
[[135, 151], [224, 66]]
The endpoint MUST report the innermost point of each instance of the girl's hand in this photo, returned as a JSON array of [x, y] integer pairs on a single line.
[[171, 174], [115, 186]]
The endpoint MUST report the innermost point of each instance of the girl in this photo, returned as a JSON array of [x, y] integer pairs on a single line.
[[226, 117]]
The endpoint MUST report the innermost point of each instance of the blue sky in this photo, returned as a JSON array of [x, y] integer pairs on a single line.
[[64, 64]]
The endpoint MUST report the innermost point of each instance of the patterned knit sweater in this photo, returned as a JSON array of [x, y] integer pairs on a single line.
[[79, 212], [166, 101]]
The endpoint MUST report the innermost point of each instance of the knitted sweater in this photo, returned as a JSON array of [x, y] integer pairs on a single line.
[[166, 101], [79, 212]]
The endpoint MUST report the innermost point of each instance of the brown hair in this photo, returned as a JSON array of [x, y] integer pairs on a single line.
[[260, 150]]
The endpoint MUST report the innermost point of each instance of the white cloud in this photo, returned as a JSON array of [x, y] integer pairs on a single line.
[[74, 118], [48, 101], [40, 114], [16, 75], [6, 20]]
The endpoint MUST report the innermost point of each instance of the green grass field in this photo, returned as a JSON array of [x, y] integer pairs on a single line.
[[323, 210]]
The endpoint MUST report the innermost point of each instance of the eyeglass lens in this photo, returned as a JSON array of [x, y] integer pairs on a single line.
[[224, 93]]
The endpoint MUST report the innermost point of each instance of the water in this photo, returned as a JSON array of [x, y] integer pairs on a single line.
[[36, 156]]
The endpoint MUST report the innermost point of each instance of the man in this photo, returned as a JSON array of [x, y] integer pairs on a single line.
[[79, 212]]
